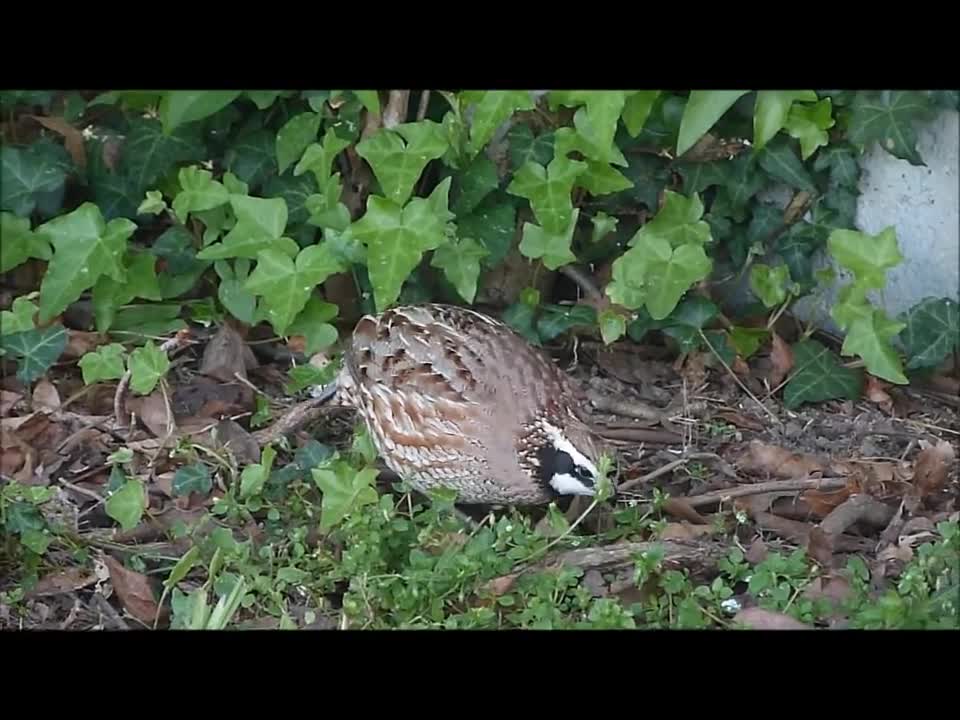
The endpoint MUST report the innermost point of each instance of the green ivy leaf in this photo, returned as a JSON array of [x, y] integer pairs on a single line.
[[286, 285], [326, 210], [126, 505], [819, 376], [109, 295], [319, 157], [772, 110], [867, 256], [153, 203], [703, 110], [742, 183], [19, 318], [20, 243], [524, 147], [552, 248], [637, 109], [869, 337], [105, 363], [294, 191], [887, 117], [746, 340], [493, 108], [199, 191], [252, 157], [194, 478], [370, 100], [474, 183], [263, 98], [766, 220], [494, 226], [673, 271], [28, 174], [628, 286], [254, 476], [694, 312], [603, 225], [460, 263], [179, 107], [557, 319], [344, 492], [294, 137], [841, 161], [613, 326], [770, 284], [548, 191], [85, 247], [396, 239], [843, 202], [678, 222], [148, 364], [232, 291], [149, 153], [780, 160], [146, 320], [809, 125], [398, 164], [36, 350], [931, 332], [698, 176], [313, 323], [603, 179], [260, 224]]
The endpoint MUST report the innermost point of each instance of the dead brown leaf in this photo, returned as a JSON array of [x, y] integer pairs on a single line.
[[12, 459], [820, 546], [741, 420], [8, 400], [757, 552], [901, 552], [757, 618], [110, 153], [763, 458], [835, 588], [64, 581], [134, 590], [823, 502], [72, 137], [45, 396], [153, 412], [226, 355], [876, 392], [680, 508], [781, 359], [500, 585], [205, 398], [694, 369], [685, 531], [933, 465], [79, 343]]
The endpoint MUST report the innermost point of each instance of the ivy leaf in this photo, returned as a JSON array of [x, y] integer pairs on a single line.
[[398, 164], [887, 117], [460, 263], [252, 157], [153, 203], [492, 109], [85, 247], [294, 191], [263, 98], [27, 174], [294, 137], [568, 140], [19, 318], [343, 492], [326, 210], [474, 183], [819, 376], [254, 476], [597, 123], [20, 243], [742, 183], [637, 109], [698, 176], [179, 107], [105, 363], [36, 350], [844, 203], [370, 100], [842, 164], [149, 153], [494, 227], [396, 239], [557, 319], [524, 147], [318, 157], [694, 312], [313, 323], [772, 110], [703, 109], [628, 286], [232, 291], [672, 272], [548, 191], [193, 478], [869, 337], [780, 160], [127, 504], [770, 284], [199, 191], [867, 256], [766, 220], [552, 248], [678, 222], [260, 223], [931, 332], [809, 125], [286, 285], [603, 225], [603, 179], [109, 295], [148, 364], [612, 324], [746, 340]]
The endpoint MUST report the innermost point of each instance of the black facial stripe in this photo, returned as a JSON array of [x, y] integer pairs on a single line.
[[584, 476], [554, 462]]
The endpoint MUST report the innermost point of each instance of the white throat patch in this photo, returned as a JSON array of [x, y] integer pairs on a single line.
[[565, 483]]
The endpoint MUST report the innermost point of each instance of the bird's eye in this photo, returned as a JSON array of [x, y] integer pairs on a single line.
[[584, 475]]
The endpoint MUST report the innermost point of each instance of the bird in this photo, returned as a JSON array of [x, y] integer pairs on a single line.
[[455, 399]]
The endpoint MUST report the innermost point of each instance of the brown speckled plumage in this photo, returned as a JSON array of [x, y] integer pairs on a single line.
[[453, 398]]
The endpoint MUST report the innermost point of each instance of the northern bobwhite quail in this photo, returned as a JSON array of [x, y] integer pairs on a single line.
[[455, 399]]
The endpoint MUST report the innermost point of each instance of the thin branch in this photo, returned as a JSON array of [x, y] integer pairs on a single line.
[[827, 483], [584, 282], [424, 102]]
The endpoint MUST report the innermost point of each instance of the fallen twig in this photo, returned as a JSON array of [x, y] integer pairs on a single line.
[[108, 611], [395, 112], [663, 470], [626, 408], [585, 283], [296, 417], [640, 435], [856, 509], [827, 483]]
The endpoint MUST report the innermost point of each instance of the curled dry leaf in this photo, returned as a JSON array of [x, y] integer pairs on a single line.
[[64, 581], [757, 552], [933, 466], [499, 586], [153, 412], [8, 400], [757, 618], [741, 420], [79, 343], [45, 396], [875, 391], [781, 359], [227, 354], [134, 591], [820, 546], [685, 531], [763, 458]]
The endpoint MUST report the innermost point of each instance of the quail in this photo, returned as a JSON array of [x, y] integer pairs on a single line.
[[455, 399]]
